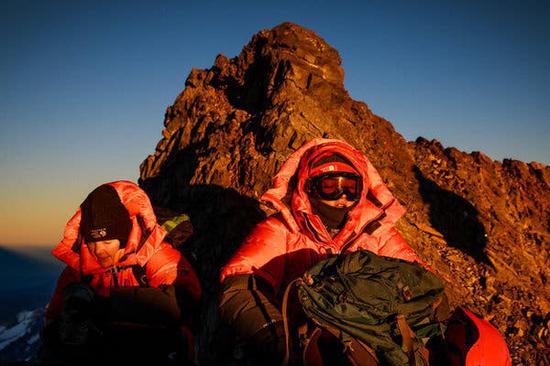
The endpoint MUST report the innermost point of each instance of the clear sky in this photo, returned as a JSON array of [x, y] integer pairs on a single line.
[[84, 84]]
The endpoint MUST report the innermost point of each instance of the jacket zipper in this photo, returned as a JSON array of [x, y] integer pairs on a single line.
[[350, 242]]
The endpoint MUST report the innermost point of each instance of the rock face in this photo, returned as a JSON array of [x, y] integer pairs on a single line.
[[482, 225]]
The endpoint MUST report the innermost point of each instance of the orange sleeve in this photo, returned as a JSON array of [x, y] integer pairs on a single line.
[[55, 307], [169, 267], [262, 253], [392, 244]]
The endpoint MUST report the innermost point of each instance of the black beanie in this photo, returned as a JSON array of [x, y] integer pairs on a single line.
[[104, 217]]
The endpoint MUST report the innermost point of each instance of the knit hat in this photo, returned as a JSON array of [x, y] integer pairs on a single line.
[[104, 217], [330, 163]]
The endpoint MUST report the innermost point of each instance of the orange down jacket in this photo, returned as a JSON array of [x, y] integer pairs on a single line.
[[145, 247], [286, 244]]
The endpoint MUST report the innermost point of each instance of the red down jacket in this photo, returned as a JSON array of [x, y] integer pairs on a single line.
[[145, 247], [285, 245]]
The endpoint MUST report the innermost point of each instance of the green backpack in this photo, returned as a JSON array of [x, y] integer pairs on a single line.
[[385, 304]]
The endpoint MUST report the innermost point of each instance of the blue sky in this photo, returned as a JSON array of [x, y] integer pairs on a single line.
[[84, 84]]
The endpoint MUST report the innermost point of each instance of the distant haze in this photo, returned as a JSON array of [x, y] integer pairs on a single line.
[[84, 85], [28, 279]]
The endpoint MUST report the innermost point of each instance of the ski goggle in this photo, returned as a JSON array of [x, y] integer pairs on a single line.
[[332, 186]]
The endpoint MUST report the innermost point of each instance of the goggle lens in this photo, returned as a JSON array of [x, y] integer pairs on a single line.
[[333, 187]]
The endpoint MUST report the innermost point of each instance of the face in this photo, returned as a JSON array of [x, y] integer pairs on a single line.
[[105, 251], [340, 202]]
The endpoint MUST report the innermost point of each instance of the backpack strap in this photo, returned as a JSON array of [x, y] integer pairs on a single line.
[[140, 275], [414, 349], [356, 351], [406, 334], [284, 312], [138, 271]]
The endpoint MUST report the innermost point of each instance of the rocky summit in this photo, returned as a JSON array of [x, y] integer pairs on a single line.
[[482, 225]]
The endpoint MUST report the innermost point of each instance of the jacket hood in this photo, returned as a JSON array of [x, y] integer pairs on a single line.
[[288, 196], [144, 239]]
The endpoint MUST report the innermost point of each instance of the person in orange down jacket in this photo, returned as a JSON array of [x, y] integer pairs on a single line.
[[328, 198], [122, 284]]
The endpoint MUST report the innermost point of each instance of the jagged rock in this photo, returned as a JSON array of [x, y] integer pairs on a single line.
[[482, 225], [510, 207]]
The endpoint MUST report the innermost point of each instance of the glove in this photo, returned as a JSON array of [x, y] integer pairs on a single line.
[[79, 300], [75, 325], [146, 305]]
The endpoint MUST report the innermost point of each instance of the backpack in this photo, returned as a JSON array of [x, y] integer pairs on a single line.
[[380, 308]]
